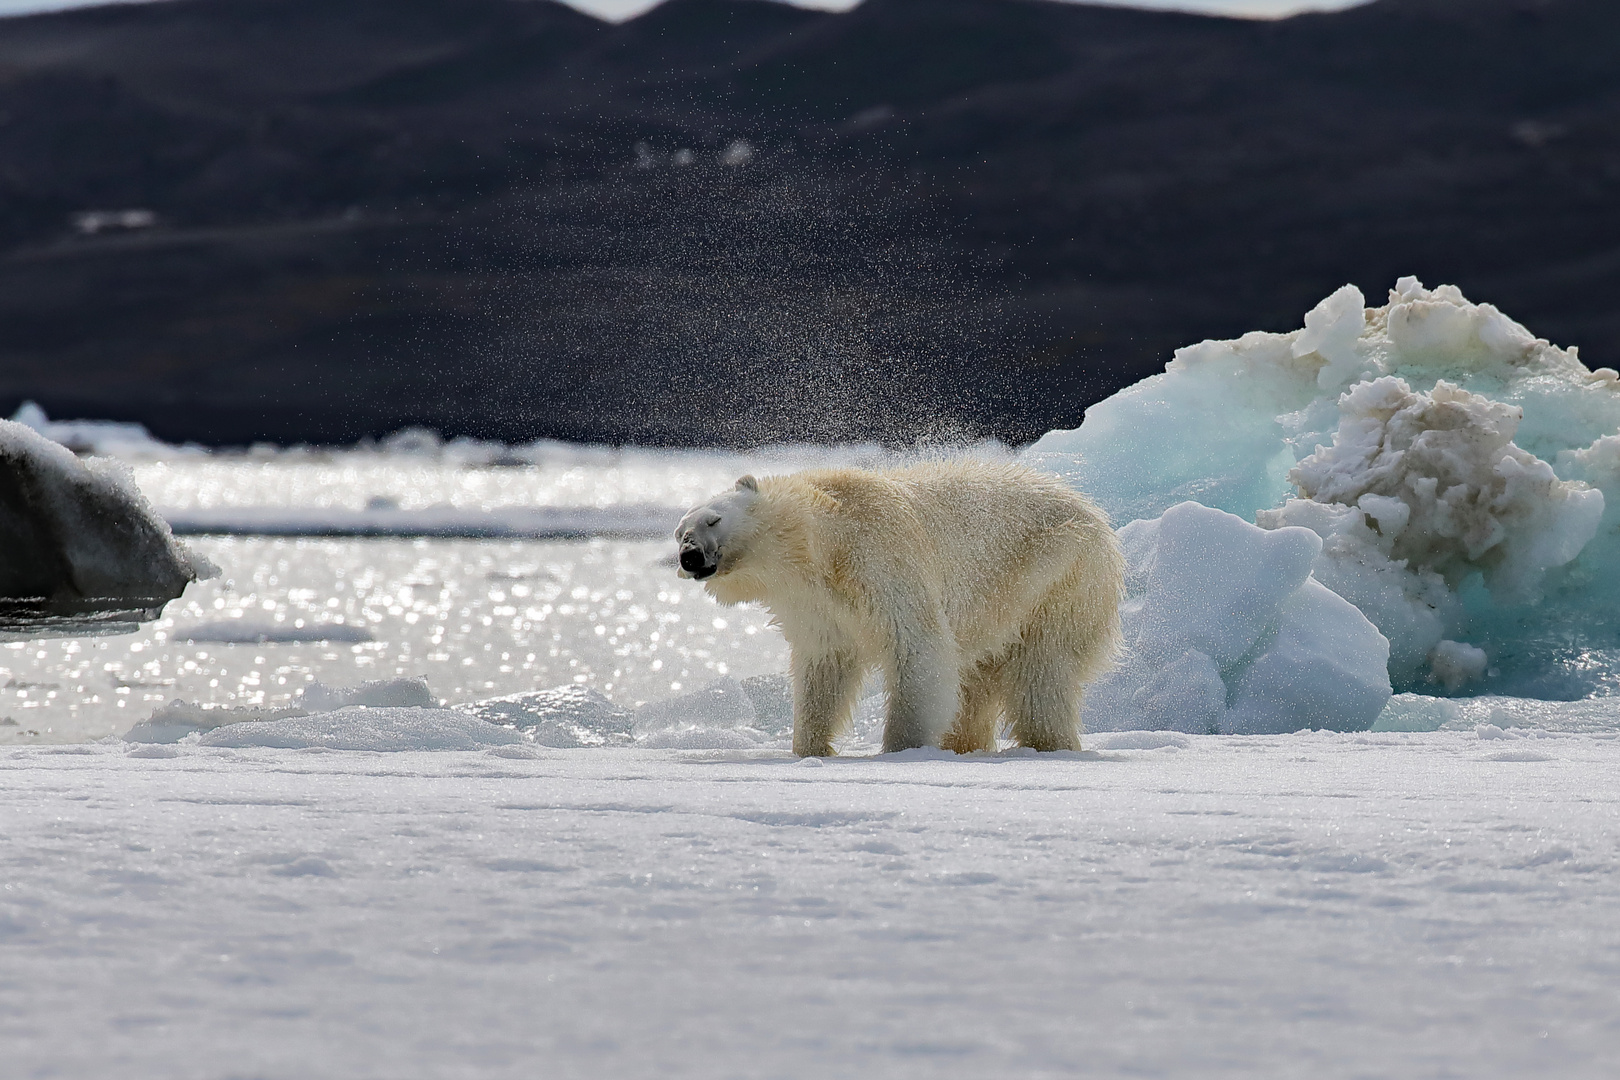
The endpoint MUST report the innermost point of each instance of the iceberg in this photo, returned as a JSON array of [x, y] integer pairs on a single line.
[[1420, 494], [83, 549], [1462, 474]]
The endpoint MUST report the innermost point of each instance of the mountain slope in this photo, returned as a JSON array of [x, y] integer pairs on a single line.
[[734, 220]]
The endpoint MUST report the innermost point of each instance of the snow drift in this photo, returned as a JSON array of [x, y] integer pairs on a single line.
[[81, 544], [180, 719], [403, 714], [565, 716], [359, 727], [1463, 474]]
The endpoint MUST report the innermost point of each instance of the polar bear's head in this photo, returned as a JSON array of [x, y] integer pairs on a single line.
[[711, 536]]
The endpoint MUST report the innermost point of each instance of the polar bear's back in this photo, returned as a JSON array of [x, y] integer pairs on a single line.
[[964, 507]]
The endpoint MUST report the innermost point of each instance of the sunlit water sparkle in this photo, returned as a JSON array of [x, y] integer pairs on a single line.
[[475, 618]]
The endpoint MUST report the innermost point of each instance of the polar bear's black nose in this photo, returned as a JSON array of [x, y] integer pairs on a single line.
[[692, 560]]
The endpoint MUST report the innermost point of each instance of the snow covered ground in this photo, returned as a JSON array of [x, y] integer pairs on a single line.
[[1316, 905]]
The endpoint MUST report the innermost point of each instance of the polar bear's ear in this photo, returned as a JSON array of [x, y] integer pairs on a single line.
[[748, 483]]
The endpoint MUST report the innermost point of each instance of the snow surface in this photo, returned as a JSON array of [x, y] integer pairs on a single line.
[[1464, 475], [1322, 905]]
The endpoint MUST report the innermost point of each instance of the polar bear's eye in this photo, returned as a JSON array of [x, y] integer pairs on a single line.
[[713, 521]]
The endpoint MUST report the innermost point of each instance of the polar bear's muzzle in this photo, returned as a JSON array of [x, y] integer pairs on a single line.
[[695, 563]]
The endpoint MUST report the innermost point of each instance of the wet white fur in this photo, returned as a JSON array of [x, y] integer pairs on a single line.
[[985, 593]]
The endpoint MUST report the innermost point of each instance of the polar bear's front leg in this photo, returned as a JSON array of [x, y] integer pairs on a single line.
[[824, 688]]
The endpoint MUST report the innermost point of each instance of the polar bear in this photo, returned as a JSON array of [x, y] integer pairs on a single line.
[[981, 591]]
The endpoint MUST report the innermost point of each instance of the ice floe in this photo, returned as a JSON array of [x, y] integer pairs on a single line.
[[385, 518], [266, 632], [377, 693], [719, 716], [403, 714], [1120, 715]]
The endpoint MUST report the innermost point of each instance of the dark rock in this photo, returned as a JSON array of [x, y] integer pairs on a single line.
[[77, 543]]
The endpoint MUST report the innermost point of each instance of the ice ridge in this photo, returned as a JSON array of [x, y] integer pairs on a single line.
[[1463, 474]]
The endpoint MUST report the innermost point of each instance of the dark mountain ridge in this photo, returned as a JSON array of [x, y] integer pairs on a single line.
[[737, 221]]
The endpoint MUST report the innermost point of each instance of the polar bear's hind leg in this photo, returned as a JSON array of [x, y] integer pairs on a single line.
[[1044, 692], [980, 712], [1070, 639]]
